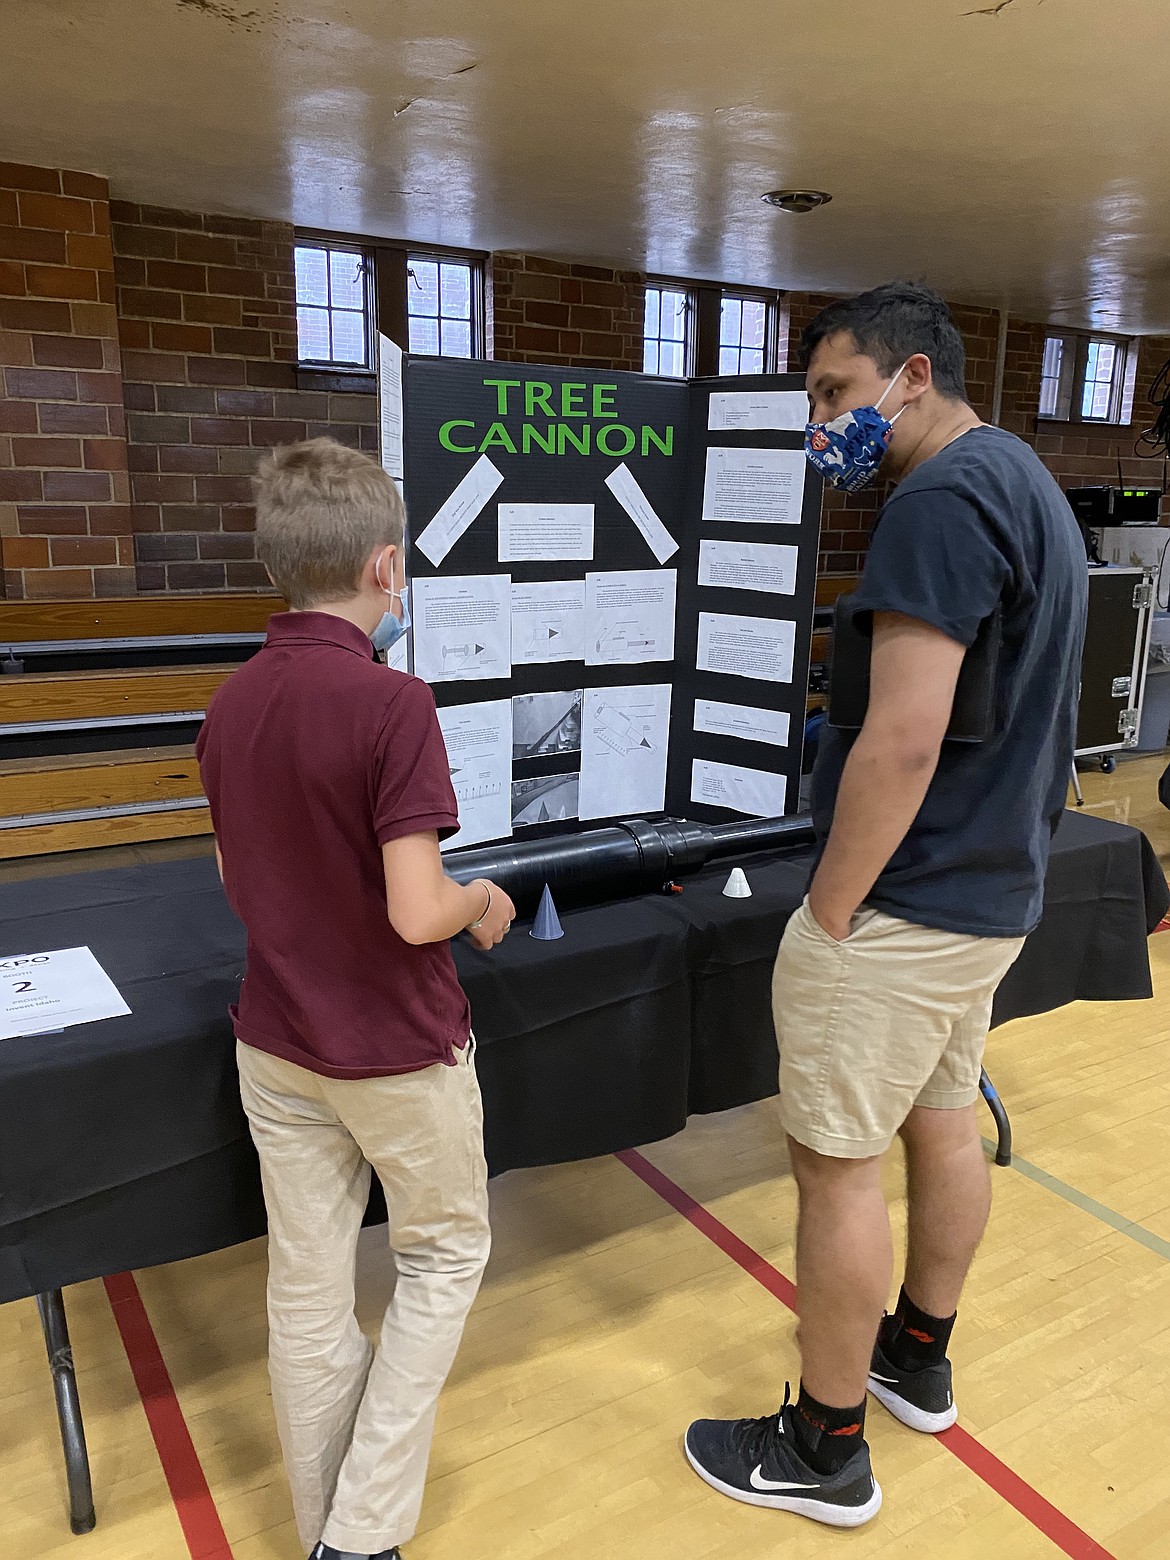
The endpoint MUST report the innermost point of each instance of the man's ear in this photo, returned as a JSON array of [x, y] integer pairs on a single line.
[[919, 372]]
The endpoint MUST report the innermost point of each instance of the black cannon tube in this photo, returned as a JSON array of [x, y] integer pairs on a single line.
[[618, 862]]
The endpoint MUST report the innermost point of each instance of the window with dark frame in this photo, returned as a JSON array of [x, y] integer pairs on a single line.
[[1087, 378], [333, 306], [441, 296], [1050, 376], [348, 289], [666, 340], [1101, 364], [744, 334]]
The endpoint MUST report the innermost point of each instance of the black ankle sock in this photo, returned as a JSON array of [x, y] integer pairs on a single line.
[[915, 1339], [827, 1437]]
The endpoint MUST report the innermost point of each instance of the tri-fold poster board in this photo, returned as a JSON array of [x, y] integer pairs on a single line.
[[612, 587]]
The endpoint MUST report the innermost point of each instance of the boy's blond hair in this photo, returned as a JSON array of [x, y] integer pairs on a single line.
[[321, 510]]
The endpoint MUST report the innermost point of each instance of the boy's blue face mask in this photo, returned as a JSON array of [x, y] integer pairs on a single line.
[[391, 629], [849, 450]]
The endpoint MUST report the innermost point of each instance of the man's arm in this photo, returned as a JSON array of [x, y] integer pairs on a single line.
[[913, 672], [219, 860], [425, 905]]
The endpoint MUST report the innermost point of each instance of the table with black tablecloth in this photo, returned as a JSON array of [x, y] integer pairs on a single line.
[[122, 1144]]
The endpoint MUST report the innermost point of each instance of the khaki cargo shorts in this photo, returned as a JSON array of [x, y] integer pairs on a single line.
[[895, 1016]]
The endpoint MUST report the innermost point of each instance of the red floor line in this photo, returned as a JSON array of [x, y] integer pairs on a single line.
[[1043, 1516], [176, 1451]]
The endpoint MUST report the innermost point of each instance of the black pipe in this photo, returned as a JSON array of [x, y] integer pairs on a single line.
[[634, 857]]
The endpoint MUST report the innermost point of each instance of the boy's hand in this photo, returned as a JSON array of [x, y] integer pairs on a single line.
[[498, 918]]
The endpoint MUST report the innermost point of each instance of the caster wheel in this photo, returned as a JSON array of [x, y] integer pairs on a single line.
[[1108, 765]]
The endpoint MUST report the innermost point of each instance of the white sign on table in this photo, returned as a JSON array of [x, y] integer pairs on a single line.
[[42, 992]]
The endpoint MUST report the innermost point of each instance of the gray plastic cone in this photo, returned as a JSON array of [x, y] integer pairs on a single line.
[[547, 925]]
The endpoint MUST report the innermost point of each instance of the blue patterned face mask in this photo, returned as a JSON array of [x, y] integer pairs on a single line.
[[849, 450]]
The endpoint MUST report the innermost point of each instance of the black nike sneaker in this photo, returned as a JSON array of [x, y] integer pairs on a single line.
[[756, 1461], [921, 1399]]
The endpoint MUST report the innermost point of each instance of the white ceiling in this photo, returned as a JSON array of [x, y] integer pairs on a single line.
[[1011, 156]]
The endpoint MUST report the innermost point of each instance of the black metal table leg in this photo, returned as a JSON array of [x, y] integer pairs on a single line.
[[1003, 1149], [82, 1518]]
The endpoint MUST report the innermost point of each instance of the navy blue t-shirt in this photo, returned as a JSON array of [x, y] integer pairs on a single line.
[[979, 524]]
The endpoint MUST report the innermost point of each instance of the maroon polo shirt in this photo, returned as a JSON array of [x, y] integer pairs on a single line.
[[313, 755]]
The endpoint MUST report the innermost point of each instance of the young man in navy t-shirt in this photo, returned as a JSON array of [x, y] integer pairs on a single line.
[[931, 875], [330, 791]]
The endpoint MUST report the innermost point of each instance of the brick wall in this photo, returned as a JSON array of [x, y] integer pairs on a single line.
[[580, 316], [64, 491], [846, 518], [198, 358], [1021, 378], [207, 313]]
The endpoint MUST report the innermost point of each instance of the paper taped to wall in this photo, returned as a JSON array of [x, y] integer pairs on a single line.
[[390, 406], [785, 410], [629, 617], [548, 622], [752, 791], [479, 755], [459, 511], [747, 721], [753, 487], [624, 486], [748, 566], [746, 646], [624, 737], [542, 533], [462, 627]]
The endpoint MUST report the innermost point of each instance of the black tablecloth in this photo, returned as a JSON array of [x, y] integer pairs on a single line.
[[122, 1144]]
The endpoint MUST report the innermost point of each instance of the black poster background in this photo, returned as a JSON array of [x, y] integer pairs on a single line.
[[437, 390], [685, 743]]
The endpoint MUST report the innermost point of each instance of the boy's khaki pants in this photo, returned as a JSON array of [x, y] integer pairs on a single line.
[[356, 1425]]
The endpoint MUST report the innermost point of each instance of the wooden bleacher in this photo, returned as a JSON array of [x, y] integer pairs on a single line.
[[30, 622], [37, 697], [64, 801]]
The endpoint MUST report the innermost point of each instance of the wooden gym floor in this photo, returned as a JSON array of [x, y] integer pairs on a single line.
[[608, 1320]]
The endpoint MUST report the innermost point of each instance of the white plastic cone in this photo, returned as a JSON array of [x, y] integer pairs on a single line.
[[737, 886]]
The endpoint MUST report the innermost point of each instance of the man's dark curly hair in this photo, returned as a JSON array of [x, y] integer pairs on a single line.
[[892, 323]]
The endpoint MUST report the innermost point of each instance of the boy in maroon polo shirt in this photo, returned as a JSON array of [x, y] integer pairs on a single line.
[[330, 790]]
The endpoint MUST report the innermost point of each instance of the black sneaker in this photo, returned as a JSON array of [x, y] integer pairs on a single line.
[[756, 1461], [326, 1552], [921, 1399]]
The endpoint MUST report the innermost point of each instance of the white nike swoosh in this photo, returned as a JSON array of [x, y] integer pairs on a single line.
[[758, 1482], [890, 1381]]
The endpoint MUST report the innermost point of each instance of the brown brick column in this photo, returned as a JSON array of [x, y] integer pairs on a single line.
[[64, 491], [581, 316], [207, 314]]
